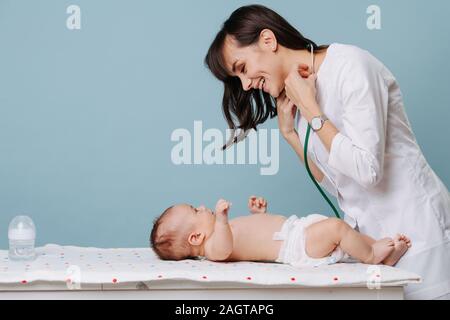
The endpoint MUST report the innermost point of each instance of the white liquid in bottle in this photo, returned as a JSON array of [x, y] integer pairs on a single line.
[[22, 236]]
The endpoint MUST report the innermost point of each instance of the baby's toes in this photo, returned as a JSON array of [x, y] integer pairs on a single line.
[[405, 238]]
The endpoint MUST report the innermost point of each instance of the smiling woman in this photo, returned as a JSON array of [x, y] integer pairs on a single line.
[[363, 149], [242, 57]]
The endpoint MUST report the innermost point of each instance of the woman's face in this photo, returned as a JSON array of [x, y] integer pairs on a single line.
[[258, 66]]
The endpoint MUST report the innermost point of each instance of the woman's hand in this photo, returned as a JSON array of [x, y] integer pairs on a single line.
[[286, 111], [257, 205], [300, 87]]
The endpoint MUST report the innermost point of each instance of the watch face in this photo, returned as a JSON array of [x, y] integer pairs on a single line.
[[316, 123]]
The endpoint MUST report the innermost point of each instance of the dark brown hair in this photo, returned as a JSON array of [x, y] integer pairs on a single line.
[[250, 108], [172, 245]]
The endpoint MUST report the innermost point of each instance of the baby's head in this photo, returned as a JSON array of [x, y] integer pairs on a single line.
[[180, 232]]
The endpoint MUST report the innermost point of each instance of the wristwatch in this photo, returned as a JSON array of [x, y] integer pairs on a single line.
[[317, 122]]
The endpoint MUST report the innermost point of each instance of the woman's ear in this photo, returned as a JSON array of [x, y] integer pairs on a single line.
[[196, 238], [267, 40]]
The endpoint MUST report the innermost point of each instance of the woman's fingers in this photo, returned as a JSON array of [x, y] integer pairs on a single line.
[[304, 74], [286, 114], [281, 98], [283, 107], [288, 107], [303, 66], [291, 108], [294, 111]]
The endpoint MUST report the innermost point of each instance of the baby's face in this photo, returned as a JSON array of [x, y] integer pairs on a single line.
[[201, 217]]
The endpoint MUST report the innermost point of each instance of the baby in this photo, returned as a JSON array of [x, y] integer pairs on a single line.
[[184, 232]]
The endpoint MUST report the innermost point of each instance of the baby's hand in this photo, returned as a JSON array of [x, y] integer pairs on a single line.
[[222, 208], [257, 205]]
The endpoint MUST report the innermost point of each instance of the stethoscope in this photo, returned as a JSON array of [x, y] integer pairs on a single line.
[[305, 150]]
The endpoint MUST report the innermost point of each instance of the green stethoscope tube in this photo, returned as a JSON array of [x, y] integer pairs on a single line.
[[305, 153]]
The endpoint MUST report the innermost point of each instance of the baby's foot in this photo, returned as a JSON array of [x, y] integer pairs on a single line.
[[381, 249], [404, 238], [401, 245]]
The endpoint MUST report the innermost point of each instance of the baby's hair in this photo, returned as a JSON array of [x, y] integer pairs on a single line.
[[171, 245]]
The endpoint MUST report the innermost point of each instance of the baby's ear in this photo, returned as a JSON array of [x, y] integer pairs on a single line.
[[196, 238]]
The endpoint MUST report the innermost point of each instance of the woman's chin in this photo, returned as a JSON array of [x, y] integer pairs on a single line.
[[279, 92]]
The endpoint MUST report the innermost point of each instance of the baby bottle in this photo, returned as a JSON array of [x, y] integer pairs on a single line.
[[22, 235]]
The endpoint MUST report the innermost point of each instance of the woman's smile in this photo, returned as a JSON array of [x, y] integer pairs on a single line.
[[262, 84]]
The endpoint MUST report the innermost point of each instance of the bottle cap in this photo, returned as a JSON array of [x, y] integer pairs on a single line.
[[22, 228]]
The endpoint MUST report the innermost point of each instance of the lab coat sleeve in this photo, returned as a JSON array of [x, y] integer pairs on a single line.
[[359, 153], [328, 185]]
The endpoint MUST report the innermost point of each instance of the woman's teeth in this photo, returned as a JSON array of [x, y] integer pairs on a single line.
[[263, 81]]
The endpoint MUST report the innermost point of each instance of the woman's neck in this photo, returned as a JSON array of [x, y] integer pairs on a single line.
[[294, 57]]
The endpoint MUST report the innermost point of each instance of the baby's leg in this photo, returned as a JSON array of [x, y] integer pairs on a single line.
[[401, 245], [369, 240], [324, 236]]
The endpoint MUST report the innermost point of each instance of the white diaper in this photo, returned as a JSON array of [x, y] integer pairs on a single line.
[[293, 250]]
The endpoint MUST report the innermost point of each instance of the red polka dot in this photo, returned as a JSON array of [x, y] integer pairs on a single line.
[[378, 275], [335, 279], [114, 280], [69, 280], [293, 279], [205, 277], [160, 276], [24, 281], [249, 278]]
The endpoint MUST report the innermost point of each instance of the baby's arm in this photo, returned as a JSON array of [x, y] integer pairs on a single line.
[[220, 245]]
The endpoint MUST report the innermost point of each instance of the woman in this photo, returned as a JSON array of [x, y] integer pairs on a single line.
[[362, 150]]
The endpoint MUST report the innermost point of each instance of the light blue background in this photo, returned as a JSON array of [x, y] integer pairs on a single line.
[[86, 116]]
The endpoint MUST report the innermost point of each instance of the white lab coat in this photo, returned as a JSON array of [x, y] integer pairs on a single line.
[[375, 167]]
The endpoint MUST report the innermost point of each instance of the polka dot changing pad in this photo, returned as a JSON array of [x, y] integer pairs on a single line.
[[56, 263]]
